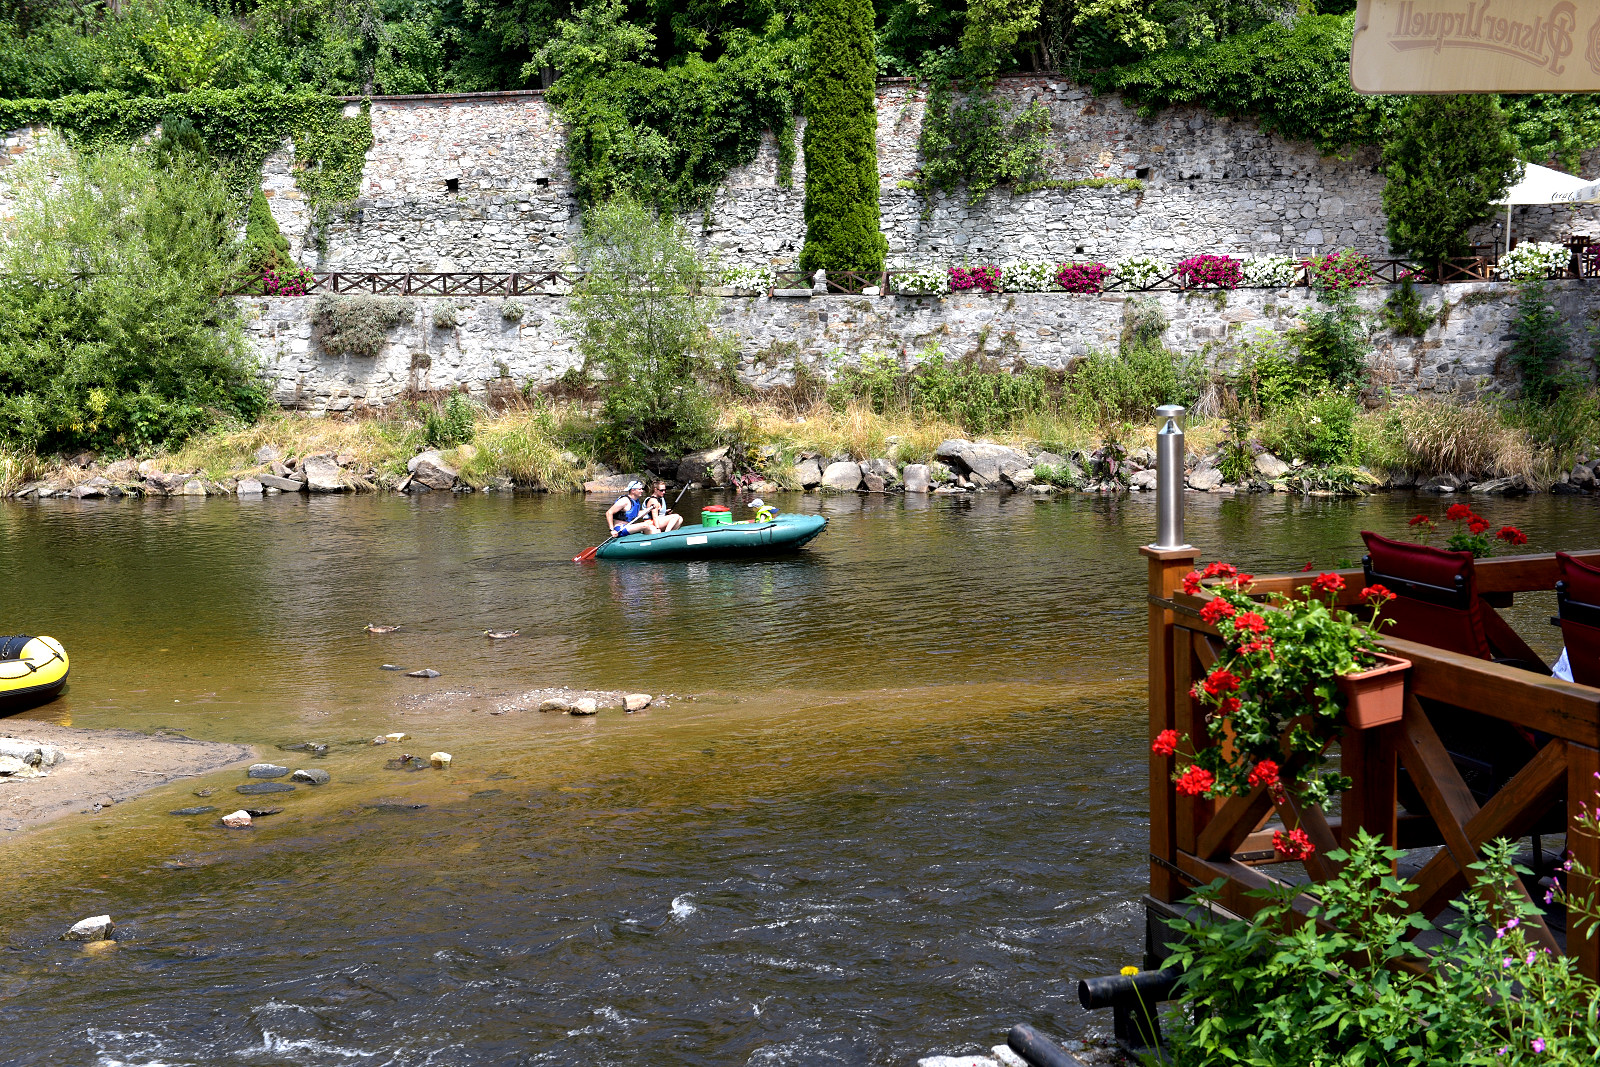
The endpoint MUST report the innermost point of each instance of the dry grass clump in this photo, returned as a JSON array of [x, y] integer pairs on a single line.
[[525, 446], [1435, 436], [16, 469], [381, 443]]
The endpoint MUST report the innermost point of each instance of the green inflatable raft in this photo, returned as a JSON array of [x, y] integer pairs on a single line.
[[719, 540]]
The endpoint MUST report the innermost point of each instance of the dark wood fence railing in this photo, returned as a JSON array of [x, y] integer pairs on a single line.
[[1194, 841]]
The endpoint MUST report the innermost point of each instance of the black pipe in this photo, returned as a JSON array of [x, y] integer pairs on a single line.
[[1039, 1050], [1151, 987]]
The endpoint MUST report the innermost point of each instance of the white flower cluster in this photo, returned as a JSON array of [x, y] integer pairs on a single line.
[[1139, 271], [1030, 277], [1533, 259], [747, 277], [919, 282], [1273, 272]]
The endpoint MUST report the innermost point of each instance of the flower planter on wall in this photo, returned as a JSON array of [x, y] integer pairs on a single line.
[[1378, 696]]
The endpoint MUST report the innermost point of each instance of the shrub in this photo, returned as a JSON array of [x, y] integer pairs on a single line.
[[1534, 261], [1129, 384], [1333, 343], [1267, 377], [986, 279], [1082, 277], [511, 311], [446, 317], [642, 315], [454, 425], [841, 149], [1449, 159], [1210, 272], [112, 333], [1269, 272], [266, 249], [356, 325], [1318, 429], [1540, 341], [1403, 312]]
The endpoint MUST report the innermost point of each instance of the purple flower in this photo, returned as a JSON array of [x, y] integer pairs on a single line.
[[1538, 1044], [1532, 955], [1507, 962]]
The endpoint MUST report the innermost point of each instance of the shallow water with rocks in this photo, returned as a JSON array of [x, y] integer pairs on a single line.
[[889, 801]]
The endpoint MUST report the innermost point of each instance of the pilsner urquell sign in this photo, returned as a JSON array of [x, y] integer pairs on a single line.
[[1476, 46]]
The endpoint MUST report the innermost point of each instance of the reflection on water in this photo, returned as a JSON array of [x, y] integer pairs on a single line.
[[897, 807]]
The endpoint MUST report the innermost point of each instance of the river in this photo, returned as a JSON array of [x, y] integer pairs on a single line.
[[894, 802]]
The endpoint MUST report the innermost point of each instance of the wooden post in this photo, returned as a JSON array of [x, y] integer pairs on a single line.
[[1583, 792], [1368, 759], [1167, 568]]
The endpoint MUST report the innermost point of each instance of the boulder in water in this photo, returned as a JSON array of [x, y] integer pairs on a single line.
[[95, 928]]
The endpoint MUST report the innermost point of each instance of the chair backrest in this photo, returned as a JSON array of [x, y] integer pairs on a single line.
[[1578, 604], [1436, 594]]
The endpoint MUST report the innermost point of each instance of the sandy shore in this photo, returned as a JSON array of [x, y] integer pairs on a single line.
[[101, 768]]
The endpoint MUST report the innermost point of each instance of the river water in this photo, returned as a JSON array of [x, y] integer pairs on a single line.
[[894, 803]]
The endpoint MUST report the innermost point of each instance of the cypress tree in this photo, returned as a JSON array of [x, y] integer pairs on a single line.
[[265, 245], [841, 146], [1450, 158]]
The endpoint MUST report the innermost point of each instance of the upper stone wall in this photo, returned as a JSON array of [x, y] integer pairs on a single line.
[[1211, 184]]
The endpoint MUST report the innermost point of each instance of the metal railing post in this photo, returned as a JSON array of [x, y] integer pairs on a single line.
[[1169, 478]]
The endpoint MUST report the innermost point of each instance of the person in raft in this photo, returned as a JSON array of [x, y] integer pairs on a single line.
[[660, 514], [628, 514]]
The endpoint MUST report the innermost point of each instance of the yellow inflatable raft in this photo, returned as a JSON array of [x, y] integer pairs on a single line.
[[32, 670]]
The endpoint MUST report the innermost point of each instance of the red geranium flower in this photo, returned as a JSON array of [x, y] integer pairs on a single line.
[[1457, 512], [1228, 706], [1277, 792], [1220, 570], [1263, 645], [1376, 594], [1242, 581], [1194, 781], [1512, 536], [1191, 583], [1166, 743], [1307, 567], [1295, 844], [1215, 611], [1264, 773], [1327, 583], [1477, 525], [1220, 681], [1249, 622], [1418, 521]]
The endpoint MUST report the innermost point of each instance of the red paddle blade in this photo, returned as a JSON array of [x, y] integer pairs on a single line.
[[586, 556]]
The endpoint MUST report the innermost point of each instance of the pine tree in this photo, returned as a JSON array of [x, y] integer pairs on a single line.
[[841, 147], [265, 244], [1449, 159]]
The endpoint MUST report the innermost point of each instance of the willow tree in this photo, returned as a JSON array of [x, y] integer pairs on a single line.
[[841, 143]]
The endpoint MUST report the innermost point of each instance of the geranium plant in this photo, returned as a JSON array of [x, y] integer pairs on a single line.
[[986, 279], [293, 282], [1472, 532], [1211, 272], [1340, 271], [1082, 277], [1274, 695]]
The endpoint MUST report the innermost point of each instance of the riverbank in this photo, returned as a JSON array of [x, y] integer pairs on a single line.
[[765, 445], [89, 770]]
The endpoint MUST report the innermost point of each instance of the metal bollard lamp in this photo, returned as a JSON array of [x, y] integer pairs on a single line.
[[1169, 478]]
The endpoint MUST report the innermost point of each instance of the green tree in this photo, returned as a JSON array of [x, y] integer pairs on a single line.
[[265, 246], [641, 314], [841, 148], [1449, 159], [112, 332]]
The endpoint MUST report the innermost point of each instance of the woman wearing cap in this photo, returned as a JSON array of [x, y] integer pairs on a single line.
[[628, 516], [660, 514]]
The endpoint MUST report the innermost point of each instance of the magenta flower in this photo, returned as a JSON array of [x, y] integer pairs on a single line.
[[1538, 1044]]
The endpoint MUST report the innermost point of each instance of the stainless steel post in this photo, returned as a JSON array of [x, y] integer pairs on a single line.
[[1169, 478]]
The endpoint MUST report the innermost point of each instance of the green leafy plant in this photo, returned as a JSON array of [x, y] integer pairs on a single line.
[[1448, 161], [356, 325], [642, 315], [112, 333], [1332, 342], [1540, 341], [1274, 696], [1319, 429], [979, 141], [266, 249], [841, 150], [452, 425], [1403, 311]]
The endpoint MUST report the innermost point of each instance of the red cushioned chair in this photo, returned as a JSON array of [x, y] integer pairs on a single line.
[[1578, 605]]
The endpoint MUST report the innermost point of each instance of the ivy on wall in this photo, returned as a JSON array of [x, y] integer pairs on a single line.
[[978, 141], [240, 128]]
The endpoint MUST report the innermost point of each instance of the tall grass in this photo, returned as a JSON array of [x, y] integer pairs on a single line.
[[1426, 436]]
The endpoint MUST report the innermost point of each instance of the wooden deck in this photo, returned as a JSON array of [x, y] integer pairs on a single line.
[[1194, 841]]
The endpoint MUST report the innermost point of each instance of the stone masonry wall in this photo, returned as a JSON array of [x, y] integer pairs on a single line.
[[1462, 355], [1211, 184]]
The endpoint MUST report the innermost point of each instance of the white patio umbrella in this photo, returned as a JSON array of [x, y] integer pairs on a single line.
[[1541, 185]]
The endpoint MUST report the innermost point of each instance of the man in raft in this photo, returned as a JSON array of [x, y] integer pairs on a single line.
[[628, 515]]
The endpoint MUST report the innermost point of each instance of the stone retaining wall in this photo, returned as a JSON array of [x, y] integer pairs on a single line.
[[1463, 354]]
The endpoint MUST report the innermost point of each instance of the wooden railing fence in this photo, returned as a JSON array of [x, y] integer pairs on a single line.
[[1194, 841]]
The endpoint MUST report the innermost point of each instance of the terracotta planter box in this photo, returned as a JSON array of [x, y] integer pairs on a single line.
[[1378, 696]]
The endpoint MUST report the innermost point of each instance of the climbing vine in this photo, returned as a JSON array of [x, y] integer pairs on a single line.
[[979, 141], [240, 128]]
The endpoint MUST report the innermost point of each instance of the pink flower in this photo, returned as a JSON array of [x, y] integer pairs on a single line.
[[1538, 1044]]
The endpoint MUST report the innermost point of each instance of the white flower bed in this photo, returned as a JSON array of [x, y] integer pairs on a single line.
[[920, 282], [1030, 277], [1533, 259], [1139, 271], [1274, 272], [747, 277]]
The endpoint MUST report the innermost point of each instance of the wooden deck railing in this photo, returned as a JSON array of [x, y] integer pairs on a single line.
[[1194, 841]]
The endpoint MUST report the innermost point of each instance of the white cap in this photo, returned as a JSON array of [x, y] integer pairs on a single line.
[[756, 503], [634, 485]]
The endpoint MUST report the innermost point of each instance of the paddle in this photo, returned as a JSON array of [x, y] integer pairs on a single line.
[[588, 554]]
